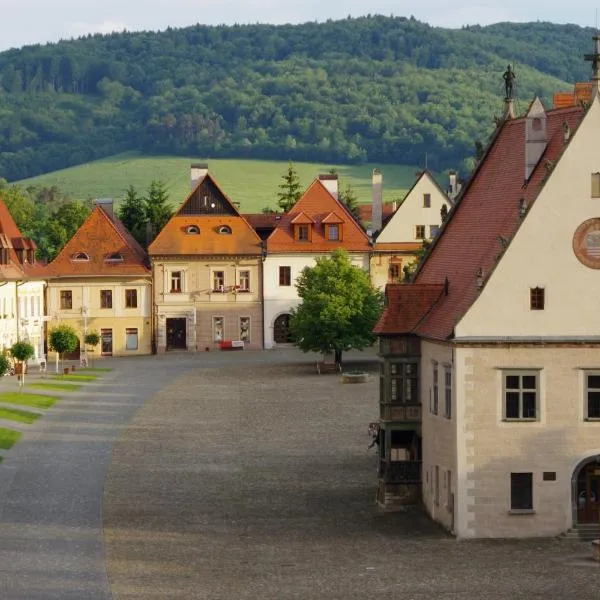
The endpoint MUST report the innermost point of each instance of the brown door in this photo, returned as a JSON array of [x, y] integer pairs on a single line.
[[176, 334], [588, 494], [106, 342], [281, 329]]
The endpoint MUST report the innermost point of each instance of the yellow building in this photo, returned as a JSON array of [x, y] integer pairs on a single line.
[[101, 282]]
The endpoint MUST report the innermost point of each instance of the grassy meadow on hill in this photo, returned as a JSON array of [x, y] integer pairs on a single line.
[[252, 183]]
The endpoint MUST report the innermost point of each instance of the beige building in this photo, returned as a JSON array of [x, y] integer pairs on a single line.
[[100, 281], [501, 326], [207, 272]]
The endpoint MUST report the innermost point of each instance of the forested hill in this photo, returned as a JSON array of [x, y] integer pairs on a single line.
[[381, 89]]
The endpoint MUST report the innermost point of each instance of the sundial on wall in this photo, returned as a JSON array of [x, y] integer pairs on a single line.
[[586, 243]]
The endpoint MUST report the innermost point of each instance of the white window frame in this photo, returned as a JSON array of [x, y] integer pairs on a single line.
[[435, 401], [521, 390], [218, 287], [418, 229], [246, 277], [129, 332], [586, 390], [216, 336], [172, 290], [447, 391]]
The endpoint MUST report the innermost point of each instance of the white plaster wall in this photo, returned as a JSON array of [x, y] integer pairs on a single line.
[[541, 254], [401, 227]]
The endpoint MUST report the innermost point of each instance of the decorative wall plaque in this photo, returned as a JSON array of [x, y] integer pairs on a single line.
[[586, 243]]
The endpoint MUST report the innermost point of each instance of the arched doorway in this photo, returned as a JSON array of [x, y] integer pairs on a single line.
[[281, 329], [585, 486]]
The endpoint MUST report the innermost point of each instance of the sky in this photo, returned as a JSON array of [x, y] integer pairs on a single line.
[[40, 21]]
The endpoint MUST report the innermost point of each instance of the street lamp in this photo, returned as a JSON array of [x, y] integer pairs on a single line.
[[84, 312]]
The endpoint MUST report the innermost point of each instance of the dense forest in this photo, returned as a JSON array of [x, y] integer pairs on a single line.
[[377, 89]]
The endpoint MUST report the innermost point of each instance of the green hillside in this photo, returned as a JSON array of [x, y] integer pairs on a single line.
[[253, 183], [375, 89]]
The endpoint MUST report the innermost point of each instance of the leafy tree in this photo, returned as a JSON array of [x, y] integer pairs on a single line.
[[410, 268], [350, 199], [132, 213], [444, 213], [158, 210], [22, 351], [92, 339], [4, 364], [62, 338], [290, 191], [339, 307]]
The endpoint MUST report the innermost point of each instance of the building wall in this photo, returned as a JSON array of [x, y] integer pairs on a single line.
[[380, 263], [490, 448], [439, 436]]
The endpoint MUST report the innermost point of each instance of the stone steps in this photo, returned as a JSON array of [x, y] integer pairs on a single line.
[[585, 532]]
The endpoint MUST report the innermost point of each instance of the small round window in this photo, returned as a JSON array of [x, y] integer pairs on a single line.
[[225, 229], [192, 230]]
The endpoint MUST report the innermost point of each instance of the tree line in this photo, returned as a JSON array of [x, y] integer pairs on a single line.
[[379, 89]]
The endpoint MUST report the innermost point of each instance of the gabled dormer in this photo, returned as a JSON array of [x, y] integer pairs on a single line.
[[333, 227], [303, 227], [536, 136]]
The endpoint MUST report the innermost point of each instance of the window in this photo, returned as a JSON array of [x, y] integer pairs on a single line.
[[244, 281], [436, 486], [333, 233], [245, 329], [192, 230], [449, 498], [285, 276], [436, 395], [447, 392], [521, 395], [592, 394], [595, 185], [394, 273], [219, 281], [537, 298], [218, 328], [420, 232], [114, 257], [426, 200], [131, 298], [521, 491], [303, 233], [404, 383], [176, 281], [80, 257], [105, 298], [434, 230], [131, 339], [32, 300], [4, 256], [225, 230], [66, 299]]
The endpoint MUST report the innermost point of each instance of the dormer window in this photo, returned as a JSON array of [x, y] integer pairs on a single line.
[[225, 230], [114, 257], [80, 257], [192, 230], [303, 233], [333, 232]]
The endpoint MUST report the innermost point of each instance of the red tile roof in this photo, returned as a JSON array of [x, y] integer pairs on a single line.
[[365, 212], [317, 204], [487, 212], [99, 238]]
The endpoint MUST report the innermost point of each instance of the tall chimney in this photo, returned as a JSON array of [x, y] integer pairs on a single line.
[[535, 136], [198, 171], [106, 204], [331, 184], [377, 214]]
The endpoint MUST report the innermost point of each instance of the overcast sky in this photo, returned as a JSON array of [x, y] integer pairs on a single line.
[[39, 21]]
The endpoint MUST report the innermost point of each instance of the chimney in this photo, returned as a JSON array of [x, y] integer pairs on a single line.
[[106, 204], [331, 184], [198, 171], [535, 136], [452, 191], [377, 214], [394, 206]]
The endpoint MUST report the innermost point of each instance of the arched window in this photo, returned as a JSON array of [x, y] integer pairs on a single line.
[[114, 257], [80, 257], [192, 230], [225, 230]]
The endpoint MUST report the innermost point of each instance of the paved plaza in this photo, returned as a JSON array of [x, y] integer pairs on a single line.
[[237, 475]]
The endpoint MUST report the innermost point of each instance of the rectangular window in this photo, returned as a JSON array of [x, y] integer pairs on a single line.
[[131, 339], [333, 233], [219, 281], [420, 232], [404, 383], [436, 486], [303, 233], [436, 395], [32, 301], [244, 281], [592, 392], [394, 273], [245, 329], [131, 298], [521, 491], [537, 298], [285, 276], [449, 500], [433, 230], [447, 392], [521, 392], [426, 200], [595, 185], [176, 282], [66, 299], [218, 324], [105, 298]]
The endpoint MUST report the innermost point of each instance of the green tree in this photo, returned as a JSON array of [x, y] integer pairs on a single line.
[[132, 213], [22, 351], [92, 339], [350, 199], [62, 338], [158, 210], [339, 307], [290, 191], [4, 364]]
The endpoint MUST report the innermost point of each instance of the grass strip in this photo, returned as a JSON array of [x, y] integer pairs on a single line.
[[94, 370], [24, 399], [56, 385], [8, 438], [17, 415], [75, 377]]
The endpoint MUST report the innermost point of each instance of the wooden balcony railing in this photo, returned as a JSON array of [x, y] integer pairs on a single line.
[[400, 412], [404, 471]]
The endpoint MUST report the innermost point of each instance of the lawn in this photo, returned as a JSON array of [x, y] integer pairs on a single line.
[[20, 416], [252, 183], [8, 438], [94, 370], [75, 377], [54, 385], [24, 399]]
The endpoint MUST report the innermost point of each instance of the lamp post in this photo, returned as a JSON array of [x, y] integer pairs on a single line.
[[84, 312]]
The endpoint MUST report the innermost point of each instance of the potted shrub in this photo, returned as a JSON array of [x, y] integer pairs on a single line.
[[92, 339], [62, 339], [22, 352]]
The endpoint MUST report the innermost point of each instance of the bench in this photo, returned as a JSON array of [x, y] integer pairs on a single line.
[[232, 345]]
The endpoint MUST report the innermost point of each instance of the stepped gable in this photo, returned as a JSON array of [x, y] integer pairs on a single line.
[[102, 246], [207, 223], [18, 251], [318, 208], [488, 211]]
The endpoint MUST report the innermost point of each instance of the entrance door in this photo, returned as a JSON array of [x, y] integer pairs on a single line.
[[588, 494], [281, 329], [176, 334], [106, 343]]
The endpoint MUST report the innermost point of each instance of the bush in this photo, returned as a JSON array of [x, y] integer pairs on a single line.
[[22, 351], [63, 339], [4, 364]]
